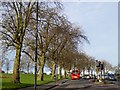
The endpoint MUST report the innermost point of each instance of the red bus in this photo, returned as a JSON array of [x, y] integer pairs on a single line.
[[75, 74]]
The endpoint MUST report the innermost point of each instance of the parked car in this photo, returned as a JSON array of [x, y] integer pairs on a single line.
[[111, 77], [87, 76]]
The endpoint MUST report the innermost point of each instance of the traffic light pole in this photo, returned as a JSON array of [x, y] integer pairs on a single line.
[[100, 68]]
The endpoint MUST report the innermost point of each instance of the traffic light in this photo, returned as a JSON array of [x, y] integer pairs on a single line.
[[102, 66], [98, 63]]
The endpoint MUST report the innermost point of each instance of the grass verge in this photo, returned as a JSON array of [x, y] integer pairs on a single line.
[[26, 80]]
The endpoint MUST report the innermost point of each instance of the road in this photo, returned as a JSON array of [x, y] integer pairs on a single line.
[[83, 84]]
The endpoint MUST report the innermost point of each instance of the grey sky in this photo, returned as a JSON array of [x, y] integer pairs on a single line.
[[99, 20]]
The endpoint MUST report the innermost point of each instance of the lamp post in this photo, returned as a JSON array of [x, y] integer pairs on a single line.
[[36, 36]]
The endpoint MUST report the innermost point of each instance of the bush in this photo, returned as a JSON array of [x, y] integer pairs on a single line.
[[50, 74], [44, 73], [2, 71], [22, 72]]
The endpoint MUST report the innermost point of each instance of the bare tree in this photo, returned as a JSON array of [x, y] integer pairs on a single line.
[[26, 64], [108, 67], [7, 64], [14, 23], [48, 22]]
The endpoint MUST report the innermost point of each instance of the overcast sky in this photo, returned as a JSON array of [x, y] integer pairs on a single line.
[[99, 20]]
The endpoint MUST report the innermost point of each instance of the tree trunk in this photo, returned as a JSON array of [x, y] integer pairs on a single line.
[[83, 71], [16, 73], [41, 76], [91, 72], [64, 73], [53, 70], [28, 66], [59, 76], [7, 71]]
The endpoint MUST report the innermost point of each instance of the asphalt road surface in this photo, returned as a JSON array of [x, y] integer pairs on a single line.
[[83, 84]]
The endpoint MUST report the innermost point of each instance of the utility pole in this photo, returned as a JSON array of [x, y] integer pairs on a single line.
[[36, 35]]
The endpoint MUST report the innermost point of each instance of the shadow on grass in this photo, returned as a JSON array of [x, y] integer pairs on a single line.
[[11, 86]]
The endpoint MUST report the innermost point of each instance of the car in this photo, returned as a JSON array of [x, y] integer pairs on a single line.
[[110, 77], [86, 76]]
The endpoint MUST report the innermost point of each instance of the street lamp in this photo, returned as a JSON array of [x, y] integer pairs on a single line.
[[36, 36]]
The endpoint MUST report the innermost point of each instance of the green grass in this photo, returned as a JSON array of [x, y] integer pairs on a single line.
[[26, 80]]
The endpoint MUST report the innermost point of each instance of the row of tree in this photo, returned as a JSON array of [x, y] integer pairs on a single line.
[[55, 32], [58, 38]]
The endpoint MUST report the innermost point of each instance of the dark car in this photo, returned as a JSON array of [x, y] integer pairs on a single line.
[[111, 77]]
